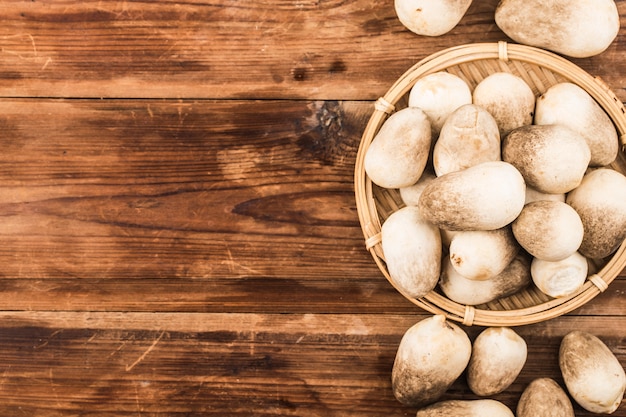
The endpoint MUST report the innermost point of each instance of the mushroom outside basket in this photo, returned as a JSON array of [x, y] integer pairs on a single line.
[[473, 62]]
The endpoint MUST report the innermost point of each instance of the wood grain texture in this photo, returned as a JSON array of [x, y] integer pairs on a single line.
[[179, 189], [178, 230], [368, 294], [312, 49], [105, 364], [203, 258]]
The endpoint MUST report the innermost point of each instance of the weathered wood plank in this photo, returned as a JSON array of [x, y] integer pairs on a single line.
[[194, 188], [106, 364], [346, 50], [368, 294]]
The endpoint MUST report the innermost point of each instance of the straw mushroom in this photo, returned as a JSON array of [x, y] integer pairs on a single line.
[[410, 195], [552, 158], [468, 137], [560, 278], [412, 250], [399, 152], [544, 397], [508, 98], [549, 230], [486, 196], [439, 94], [456, 287], [535, 195], [431, 18], [600, 201], [432, 354], [466, 408], [498, 356], [570, 105], [593, 375], [577, 28], [483, 254]]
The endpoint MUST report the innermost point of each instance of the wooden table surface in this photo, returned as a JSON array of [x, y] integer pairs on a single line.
[[179, 232]]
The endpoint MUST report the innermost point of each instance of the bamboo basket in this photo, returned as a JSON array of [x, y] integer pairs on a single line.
[[473, 62]]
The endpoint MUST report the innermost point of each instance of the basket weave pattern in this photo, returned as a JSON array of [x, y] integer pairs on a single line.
[[540, 69]]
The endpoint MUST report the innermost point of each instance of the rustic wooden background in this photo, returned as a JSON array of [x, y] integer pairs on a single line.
[[178, 231]]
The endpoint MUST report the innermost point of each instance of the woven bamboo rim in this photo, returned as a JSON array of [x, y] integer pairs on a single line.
[[473, 62]]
